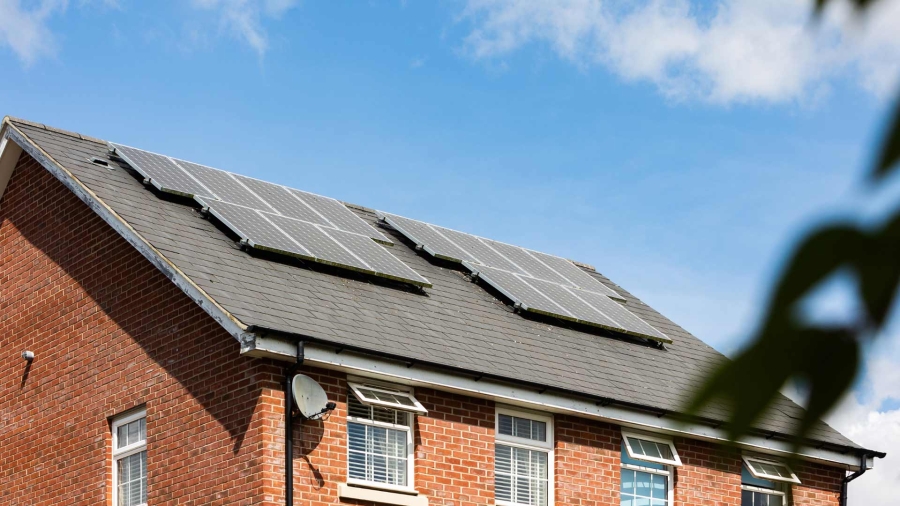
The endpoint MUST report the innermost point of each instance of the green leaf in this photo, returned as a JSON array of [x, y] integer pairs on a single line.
[[890, 149], [830, 359], [820, 255], [879, 271]]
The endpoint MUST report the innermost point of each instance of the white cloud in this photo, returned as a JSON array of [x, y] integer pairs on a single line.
[[862, 417], [24, 30], [243, 18], [731, 51]]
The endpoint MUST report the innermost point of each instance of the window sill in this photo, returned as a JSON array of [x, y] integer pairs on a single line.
[[346, 491]]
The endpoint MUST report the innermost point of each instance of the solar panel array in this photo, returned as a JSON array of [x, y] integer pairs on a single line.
[[181, 177], [534, 281], [276, 218]]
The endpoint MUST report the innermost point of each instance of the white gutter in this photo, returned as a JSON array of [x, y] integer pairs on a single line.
[[397, 371]]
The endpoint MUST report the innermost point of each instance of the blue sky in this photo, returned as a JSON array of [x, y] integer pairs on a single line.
[[678, 147]]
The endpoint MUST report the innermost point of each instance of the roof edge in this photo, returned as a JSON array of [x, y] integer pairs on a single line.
[[10, 133], [275, 344], [336, 357], [13, 119]]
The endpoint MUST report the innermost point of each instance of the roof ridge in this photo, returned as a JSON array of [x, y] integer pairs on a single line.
[[13, 119]]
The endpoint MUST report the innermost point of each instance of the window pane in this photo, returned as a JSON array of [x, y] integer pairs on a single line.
[[775, 500], [377, 454], [651, 449], [760, 499], [503, 487], [627, 501], [636, 446], [627, 481], [522, 427], [749, 479], [642, 484], [746, 498], [521, 475], [132, 476], [659, 484], [641, 501], [503, 459], [134, 432], [122, 436]]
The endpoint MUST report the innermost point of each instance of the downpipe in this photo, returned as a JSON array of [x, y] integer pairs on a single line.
[[847, 479], [289, 426]]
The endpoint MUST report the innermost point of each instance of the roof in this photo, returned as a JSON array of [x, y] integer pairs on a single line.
[[456, 324]]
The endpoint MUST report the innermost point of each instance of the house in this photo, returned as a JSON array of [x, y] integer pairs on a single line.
[[154, 312]]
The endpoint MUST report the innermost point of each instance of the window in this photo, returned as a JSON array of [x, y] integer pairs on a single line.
[[523, 458], [759, 492], [380, 439], [765, 482], [129, 465], [647, 470], [770, 470], [650, 449], [373, 395]]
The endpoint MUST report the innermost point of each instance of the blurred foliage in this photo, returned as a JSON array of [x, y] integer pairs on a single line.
[[824, 359]]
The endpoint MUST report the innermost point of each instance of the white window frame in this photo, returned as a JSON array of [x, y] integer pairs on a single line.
[[669, 472], [405, 392], [764, 490], [528, 444], [747, 463], [410, 435], [676, 462], [121, 453]]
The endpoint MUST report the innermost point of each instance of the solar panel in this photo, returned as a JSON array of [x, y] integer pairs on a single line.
[[186, 178], [426, 236], [162, 171], [459, 247], [571, 304], [309, 241], [223, 186], [535, 281], [339, 216], [282, 201]]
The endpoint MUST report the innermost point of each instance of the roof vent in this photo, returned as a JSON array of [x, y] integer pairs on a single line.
[[100, 161]]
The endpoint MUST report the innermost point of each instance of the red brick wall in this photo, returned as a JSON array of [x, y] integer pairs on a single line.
[[709, 475], [455, 449], [587, 456], [821, 485], [110, 333]]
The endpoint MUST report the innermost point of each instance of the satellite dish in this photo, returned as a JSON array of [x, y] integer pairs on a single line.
[[311, 399]]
